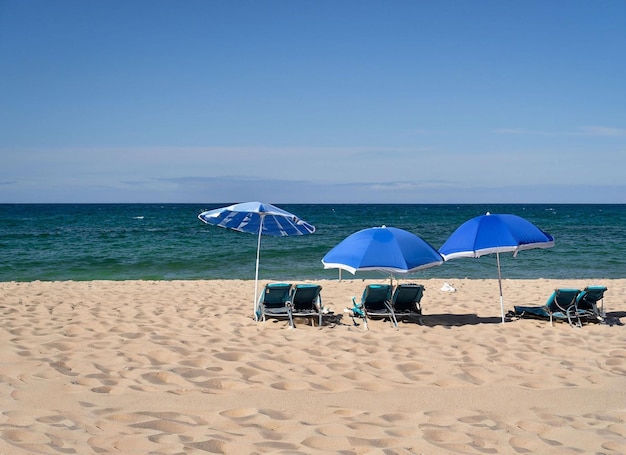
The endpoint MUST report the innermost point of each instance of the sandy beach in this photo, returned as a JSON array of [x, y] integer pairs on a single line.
[[180, 367]]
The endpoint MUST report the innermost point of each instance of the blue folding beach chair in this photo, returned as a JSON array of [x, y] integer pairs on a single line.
[[375, 303], [587, 303], [305, 301], [561, 305], [406, 301], [273, 302]]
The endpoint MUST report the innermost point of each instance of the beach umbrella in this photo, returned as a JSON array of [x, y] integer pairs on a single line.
[[257, 218], [382, 249], [488, 234]]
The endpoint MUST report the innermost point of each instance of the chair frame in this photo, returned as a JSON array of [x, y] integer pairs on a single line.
[[383, 309], [274, 296], [587, 302], [563, 300], [406, 300], [305, 300]]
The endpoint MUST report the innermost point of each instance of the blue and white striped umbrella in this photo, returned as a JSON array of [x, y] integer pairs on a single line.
[[257, 218]]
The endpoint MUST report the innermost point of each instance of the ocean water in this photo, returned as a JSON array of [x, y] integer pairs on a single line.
[[168, 242]]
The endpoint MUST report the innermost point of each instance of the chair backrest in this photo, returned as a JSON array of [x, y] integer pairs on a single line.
[[305, 296], [375, 296], [590, 296], [406, 297], [275, 295], [561, 299]]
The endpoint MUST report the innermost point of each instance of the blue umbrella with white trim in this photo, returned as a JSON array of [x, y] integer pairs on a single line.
[[487, 234], [384, 249], [257, 218]]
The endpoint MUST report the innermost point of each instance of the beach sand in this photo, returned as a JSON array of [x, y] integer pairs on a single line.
[[180, 367]]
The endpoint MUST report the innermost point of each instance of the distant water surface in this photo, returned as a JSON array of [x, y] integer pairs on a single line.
[[168, 242]]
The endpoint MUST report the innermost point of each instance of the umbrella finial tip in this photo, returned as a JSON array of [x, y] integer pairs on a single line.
[[488, 213]]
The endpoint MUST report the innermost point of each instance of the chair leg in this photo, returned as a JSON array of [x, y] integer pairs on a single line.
[[570, 317], [291, 324], [394, 321]]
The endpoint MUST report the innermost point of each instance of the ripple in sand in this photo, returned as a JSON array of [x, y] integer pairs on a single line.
[[161, 378], [532, 426], [230, 356], [63, 369], [210, 446], [329, 444], [402, 432], [525, 444], [103, 389], [396, 417], [162, 356], [240, 413], [380, 443], [448, 383], [473, 375], [274, 415], [219, 384], [409, 367], [164, 426], [446, 436], [291, 385], [131, 335], [615, 446], [61, 346], [532, 385], [276, 446], [618, 429], [347, 412], [25, 437]]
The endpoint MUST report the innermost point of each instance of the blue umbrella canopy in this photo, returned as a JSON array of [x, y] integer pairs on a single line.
[[384, 249], [487, 234], [257, 218]]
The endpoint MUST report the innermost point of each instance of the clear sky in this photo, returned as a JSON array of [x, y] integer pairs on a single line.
[[317, 101]]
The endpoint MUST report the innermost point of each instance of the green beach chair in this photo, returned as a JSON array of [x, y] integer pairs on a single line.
[[273, 301], [587, 303], [561, 306], [375, 303], [305, 301], [406, 301]]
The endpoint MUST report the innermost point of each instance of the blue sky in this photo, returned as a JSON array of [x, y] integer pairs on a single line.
[[291, 101]]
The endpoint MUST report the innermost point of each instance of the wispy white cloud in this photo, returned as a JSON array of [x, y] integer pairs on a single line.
[[603, 131]]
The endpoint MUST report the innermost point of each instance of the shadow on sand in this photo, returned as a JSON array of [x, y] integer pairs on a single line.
[[455, 320]]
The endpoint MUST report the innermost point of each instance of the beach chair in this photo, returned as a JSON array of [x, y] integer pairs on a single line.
[[273, 301], [305, 301], [375, 303], [561, 305], [405, 301], [587, 303]]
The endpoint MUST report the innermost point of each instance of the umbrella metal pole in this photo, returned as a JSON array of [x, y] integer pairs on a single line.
[[256, 273], [500, 284]]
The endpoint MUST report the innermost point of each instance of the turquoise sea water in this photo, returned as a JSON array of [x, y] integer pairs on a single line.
[[167, 241]]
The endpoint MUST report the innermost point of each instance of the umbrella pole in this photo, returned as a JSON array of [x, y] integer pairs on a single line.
[[500, 284], [256, 273]]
